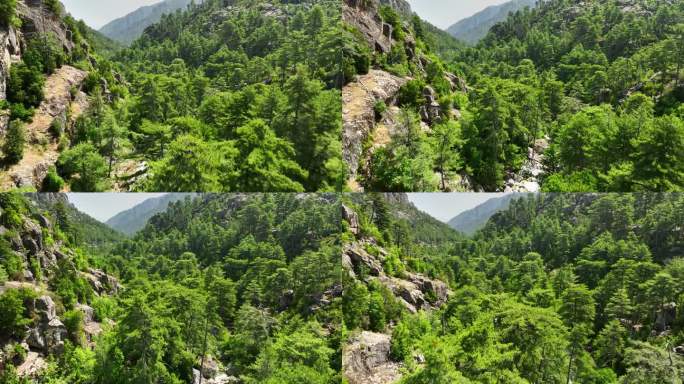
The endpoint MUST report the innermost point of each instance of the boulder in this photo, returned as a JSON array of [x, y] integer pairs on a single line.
[[362, 259], [358, 111], [45, 307], [366, 360], [88, 312], [351, 218]]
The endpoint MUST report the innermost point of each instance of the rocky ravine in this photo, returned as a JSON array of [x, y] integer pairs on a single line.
[[366, 356]]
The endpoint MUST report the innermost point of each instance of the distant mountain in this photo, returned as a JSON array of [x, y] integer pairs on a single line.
[[474, 28], [135, 219], [470, 221], [130, 27]]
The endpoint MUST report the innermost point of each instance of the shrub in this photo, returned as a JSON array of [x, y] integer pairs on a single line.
[[25, 85], [12, 320], [411, 94], [380, 107], [73, 321], [18, 354], [15, 142], [19, 112], [8, 13], [103, 307], [52, 181], [56, 128]]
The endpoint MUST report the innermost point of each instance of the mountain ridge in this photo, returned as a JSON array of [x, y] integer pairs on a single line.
[[468, 222], [472, 29], [134, 219], [127, 28]]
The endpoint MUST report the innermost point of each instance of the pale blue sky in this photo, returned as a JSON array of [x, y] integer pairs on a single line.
[[444, 13], [446, 206], [97, 13], [104, 206]]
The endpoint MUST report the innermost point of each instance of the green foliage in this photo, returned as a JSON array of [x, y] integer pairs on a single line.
[[52, 181], [84, 167], [13, 321], [8, 10], [15, 141]]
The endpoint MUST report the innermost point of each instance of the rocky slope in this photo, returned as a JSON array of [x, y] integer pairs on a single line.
[[381, 87], [35, 20], [63, 99], [366, 355], [474, 28], [59, 104], [32, 235]]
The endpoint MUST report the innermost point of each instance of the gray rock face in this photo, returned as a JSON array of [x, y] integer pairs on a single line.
[[45, 307], [366, 360], [351, 218], [49, 333], [101, 282], [358, 113]]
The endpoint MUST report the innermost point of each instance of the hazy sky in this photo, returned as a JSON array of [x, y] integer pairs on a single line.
[[445, 206], [104, 206], [444, 13], [97, 13]]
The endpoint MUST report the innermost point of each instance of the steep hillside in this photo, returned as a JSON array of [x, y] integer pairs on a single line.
[[475, 28], [45, 61], [135, 219], [470, 221], [399, 112], [128, 28], [50, 294], [590, 282], [592, 88], [232, 288], [382, 282]]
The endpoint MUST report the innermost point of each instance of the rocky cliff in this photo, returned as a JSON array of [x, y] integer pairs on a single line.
[[35, 20], [363, 130], [366, 356], [34, 241], [63, 100]]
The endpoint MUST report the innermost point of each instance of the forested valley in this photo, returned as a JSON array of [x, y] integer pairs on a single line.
[[226, 288], [569, 96], [558, 288], [226, 95]]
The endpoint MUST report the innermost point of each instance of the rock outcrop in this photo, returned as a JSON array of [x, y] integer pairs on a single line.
[[358, 111], [413, 290], [38, 157], [36, 19], [366, 360]]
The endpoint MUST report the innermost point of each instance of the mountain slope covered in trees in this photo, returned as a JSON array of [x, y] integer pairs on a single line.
[[472, 29], [128, 28], [237, 288], [558, 288], [222, 96], [567, 96], [132, 220], [471, 220]]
